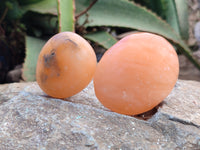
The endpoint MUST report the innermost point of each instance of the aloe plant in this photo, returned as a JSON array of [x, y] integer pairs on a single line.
[[175, 12], [127, 14], [167, 18]]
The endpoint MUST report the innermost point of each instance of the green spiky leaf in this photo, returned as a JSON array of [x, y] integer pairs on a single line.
[[122, 13], [82, 5], [33, 48], [65, 15], [182, 13], [28, 2], [102, 38], [43, 7], [171, 15], [175, 12]]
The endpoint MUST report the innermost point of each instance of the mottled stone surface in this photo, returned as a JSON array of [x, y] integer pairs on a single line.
[[184, 102], [29, 119]]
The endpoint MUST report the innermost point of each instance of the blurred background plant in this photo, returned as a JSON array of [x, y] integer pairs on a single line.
[[25, 25]]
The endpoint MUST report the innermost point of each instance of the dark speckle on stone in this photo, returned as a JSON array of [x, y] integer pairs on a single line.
[[44, 77], [50, 59], [69, 40], [50, 63], [53, 53]]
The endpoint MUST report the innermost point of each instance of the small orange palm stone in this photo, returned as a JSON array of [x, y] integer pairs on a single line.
[[136, 74], [66, 65]]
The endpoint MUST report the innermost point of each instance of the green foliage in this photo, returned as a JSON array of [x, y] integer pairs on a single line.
[[82, 5], [33, 47], [42, 6], [28, 2], [182, 13], [14, 10], [170, 14], [121, 13], [65, 15], [174, 12], [102, 38], [40, 24], [168, 18]]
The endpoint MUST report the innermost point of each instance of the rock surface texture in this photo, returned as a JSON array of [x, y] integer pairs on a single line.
[[29, 119]]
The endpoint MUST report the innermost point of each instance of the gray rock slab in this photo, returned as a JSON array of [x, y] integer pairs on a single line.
[[184, 102], [29, 119]]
